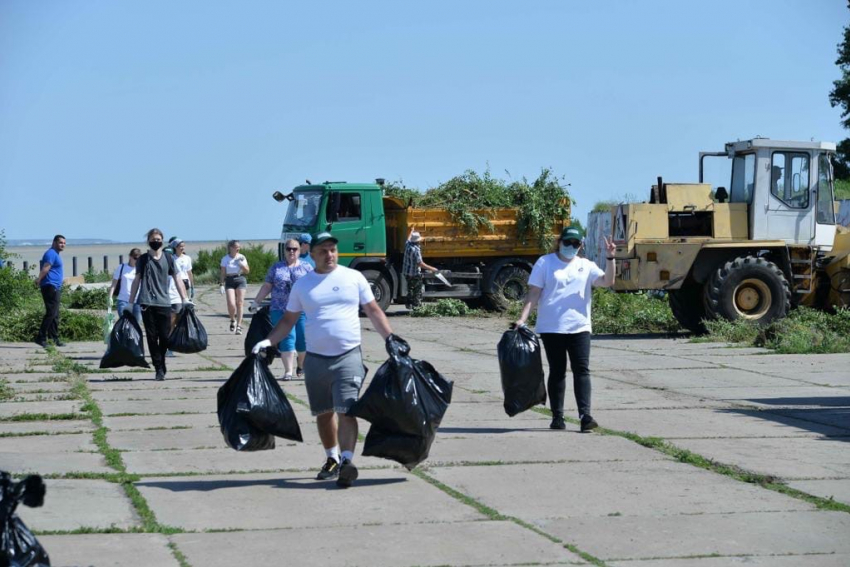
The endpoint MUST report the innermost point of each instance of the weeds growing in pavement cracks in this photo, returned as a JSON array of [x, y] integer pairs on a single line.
[[113, 458], [495, 515], [6, 391]]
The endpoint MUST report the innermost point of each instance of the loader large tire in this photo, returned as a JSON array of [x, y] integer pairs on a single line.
[[748, 288], [688, 306]]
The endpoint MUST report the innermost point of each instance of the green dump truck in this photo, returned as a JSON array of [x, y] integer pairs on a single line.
[[372, 229]]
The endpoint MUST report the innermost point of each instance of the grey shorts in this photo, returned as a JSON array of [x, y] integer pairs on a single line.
[[333, 382], [176, 308], [235, 282]]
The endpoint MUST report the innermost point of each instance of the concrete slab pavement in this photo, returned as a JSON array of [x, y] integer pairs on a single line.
[[490, 479]]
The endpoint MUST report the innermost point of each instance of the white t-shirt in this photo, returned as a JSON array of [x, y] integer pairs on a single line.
[[182, 265], [564, 305], [231, 265], [173, 294], [126, 273], [332, 305]]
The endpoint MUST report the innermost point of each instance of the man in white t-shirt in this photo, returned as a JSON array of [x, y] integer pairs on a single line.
[[560, 285], [331, 297]]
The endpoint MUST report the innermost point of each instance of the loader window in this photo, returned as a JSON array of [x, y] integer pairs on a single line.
[[789, 179], [826, 213], [743, 178]]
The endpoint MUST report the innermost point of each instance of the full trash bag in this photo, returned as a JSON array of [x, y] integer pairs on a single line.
[[188, 335], [261, 326], [521, 367], [252, 408], [125, 344], [405, 403], [18, 546]]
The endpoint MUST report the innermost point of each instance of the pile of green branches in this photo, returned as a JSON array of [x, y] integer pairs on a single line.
[[471, 198]]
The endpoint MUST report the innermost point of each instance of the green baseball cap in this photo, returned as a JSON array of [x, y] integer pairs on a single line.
[[572, 233]]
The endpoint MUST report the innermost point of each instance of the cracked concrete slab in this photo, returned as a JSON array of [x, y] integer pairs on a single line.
[[109, 550], [227, 502], [74, 504]]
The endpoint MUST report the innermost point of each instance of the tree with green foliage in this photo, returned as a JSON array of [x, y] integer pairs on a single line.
[[840, 96]]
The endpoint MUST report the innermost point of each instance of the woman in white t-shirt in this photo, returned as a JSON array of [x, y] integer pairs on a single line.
[[560, 285], [234, 266], [122, 281], [183, 266]]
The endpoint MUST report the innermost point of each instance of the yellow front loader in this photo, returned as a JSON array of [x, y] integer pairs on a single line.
[[755, 250]]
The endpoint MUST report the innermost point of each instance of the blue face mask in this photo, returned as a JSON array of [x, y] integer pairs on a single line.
[[568, 252]]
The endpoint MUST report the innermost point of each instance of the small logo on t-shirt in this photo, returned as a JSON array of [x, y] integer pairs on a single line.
[[336, 288], [581, 269]]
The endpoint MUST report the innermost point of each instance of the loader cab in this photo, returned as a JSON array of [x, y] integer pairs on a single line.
[[788, 189]]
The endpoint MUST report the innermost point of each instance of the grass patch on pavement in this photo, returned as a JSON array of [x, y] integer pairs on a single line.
[[6, 391], [43, 417], [803, 331]]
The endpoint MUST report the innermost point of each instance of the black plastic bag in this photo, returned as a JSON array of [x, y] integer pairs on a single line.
[[252, 408], [188, 335], [126, 347], [18, 547], [521, 367], [405, 402], [407, 450], [261, 326]]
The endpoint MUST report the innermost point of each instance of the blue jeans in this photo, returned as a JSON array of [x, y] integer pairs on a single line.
[[137, 310]]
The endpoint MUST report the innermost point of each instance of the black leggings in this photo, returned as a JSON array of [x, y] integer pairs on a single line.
[[157, 328], [577, 345]]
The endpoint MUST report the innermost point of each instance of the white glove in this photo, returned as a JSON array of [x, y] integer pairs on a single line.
[[253, 307], [265, 343], [221, 289], [109, 301]]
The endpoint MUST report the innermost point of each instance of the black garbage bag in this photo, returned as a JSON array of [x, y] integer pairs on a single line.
[[126, 347], [188, 335], [405, 403], [18, 547], [521, 366], [252, 408], [407, 450], [261, 326]]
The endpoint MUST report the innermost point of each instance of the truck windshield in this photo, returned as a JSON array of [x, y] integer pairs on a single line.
[[303, 209]]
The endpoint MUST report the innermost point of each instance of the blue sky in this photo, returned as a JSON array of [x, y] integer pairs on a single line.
[[119, 116]]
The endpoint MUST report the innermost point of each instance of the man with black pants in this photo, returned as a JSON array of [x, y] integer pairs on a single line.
[[49, 281]]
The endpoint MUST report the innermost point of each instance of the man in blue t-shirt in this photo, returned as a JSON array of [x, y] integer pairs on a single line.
[[49, 281]]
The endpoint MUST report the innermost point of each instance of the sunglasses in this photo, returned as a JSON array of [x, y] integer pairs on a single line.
[[288, 249], [575, 243]]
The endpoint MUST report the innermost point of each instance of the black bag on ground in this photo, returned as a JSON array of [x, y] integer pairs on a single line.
[[521, 366], [188, 335], [261, 326], [405, 402], [252, 408], [18, 546], [126, 347]]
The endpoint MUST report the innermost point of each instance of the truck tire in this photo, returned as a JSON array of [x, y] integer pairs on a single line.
[[380, 288], [688, 307], [510, 284], [748, 288]]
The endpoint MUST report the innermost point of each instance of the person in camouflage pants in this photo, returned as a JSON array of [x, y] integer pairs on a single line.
[[412, 268]]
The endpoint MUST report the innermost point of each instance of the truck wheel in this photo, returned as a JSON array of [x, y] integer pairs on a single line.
[[687, 306], [510, 284], [380, 288], [748, 288]]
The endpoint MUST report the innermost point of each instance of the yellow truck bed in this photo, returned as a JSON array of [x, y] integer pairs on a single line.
[[445, 238]]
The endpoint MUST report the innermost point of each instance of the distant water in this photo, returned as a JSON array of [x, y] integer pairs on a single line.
[[32, 254]]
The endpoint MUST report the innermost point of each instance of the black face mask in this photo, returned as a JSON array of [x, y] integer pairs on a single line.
[[155, 245]]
